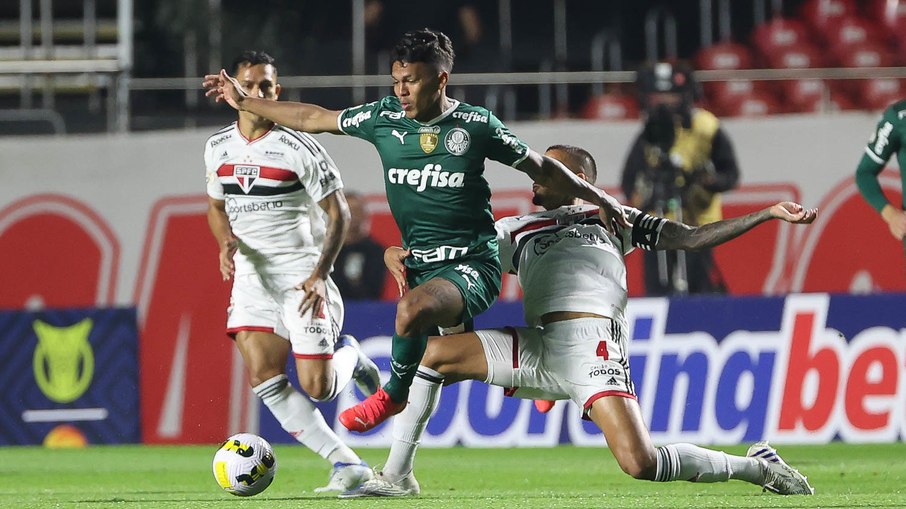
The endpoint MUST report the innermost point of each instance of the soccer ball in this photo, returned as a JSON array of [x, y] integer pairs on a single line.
[[244, 465]]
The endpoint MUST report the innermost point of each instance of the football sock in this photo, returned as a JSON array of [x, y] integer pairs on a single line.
[[405, 354], [301, 419], [409, 424], [692, 463], [344, 362]]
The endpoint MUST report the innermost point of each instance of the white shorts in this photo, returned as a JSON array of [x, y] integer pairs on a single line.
[[272, 305], [583, 360]]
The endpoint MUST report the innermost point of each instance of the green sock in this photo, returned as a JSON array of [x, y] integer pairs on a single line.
[[405, 355]]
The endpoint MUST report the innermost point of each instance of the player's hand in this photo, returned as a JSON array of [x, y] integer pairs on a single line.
[[896, 221], [793, 213], [611, 212], [315, 296], [224, 87], [227, 250], [393, 259]]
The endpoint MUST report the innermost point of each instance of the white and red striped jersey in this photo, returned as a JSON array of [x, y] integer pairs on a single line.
[[567, 261], [272, 186]]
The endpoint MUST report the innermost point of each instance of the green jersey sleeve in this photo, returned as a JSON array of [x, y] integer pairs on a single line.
[[359, 120], [504, 146], [884, 142]]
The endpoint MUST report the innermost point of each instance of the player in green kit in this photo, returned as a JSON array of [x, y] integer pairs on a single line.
[[889, 138], [432, 149]]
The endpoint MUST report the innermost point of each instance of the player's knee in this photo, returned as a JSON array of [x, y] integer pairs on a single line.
[[411, 314], [639, 465], [435, 357], [317, 387], [259, 376]]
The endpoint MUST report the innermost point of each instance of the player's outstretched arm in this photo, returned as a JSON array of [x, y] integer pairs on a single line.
[[310, 118], [676, 235], [550, 173]]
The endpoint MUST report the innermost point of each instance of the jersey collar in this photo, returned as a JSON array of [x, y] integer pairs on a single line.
[[443, 115], [249, 141]]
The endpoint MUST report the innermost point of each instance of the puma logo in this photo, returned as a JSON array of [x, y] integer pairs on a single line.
[[399, 135]]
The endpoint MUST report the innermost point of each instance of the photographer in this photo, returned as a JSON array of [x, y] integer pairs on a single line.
[[676, 168]]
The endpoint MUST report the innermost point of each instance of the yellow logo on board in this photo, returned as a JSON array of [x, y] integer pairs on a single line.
[[63, 361]]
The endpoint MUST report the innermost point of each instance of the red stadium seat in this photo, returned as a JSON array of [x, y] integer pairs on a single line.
[[815, 104], [891, 13], [611, 107], [865, 55], [795, 93], [891, 18], [724, 56], [802, 95], [851, 31], [722, 93], [877, 94], [779, 33], [822, 14], [756, 104], [799, 56]]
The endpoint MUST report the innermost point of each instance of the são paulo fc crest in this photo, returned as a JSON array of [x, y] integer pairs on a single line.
[[427, 138], [246, 176], [457, 141]]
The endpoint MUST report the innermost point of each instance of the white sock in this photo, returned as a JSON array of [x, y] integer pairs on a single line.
[[409, 424], [299, 417], [344, 363], [689, 462]]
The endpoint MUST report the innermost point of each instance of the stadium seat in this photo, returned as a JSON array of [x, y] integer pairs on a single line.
[[820, 15], [720, 93], [865, 55], [796, 93], [802, 95], [891, 13], [799, 56], [836, 101], [851, 31], [724, 56], [778, 33], [865, 93], [891, 24], [877, 94], [611, 107], [756, 104]]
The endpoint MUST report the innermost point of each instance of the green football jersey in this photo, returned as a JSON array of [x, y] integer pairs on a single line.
[[434, 175], [888, 138]]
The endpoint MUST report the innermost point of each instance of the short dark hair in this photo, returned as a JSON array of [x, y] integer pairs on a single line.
[[425, 45], [253, 57], [586, 161]]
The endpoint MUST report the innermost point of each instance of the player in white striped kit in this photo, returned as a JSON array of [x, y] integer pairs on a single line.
[[269, 190], [573, 276]]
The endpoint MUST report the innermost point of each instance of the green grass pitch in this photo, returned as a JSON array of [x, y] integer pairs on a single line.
[[134, 477]]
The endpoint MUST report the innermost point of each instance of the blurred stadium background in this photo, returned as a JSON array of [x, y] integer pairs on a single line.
[[102, 208]]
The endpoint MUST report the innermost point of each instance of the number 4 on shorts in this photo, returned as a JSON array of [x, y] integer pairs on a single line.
[[602, 350]]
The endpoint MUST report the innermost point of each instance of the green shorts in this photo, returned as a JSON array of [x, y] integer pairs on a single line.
[[478, 281]]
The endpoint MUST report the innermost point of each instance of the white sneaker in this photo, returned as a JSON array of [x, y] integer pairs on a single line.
[[380, 486], [346, 476], [779, 477], [367, 376]]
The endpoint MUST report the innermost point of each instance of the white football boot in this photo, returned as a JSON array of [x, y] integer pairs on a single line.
[[367, 376], [380, 486], [346, 476], [779, 477]]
